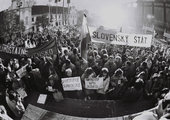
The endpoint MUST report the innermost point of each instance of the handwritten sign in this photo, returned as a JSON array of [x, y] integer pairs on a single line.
[[22, 72], [94, 83], [42, 98], [22, 93], [71, 84]]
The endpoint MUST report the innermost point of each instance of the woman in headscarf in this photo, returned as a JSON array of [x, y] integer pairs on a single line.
[[117, 84], [106, 81], [87, 75]]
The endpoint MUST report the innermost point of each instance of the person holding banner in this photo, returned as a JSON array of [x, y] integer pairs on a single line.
[[106, 81], [117, 85], [88, 74], [111, 65], [82, 64], [69, 64]]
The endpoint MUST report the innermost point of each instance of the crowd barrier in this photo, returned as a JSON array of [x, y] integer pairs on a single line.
[[36, 113]]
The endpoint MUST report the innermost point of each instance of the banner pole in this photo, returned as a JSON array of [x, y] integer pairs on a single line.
[[90, 38]]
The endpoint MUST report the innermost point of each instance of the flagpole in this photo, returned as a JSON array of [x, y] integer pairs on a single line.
[[63, 12], [56, 11], [68, 14], [90, 37], [49, 13]]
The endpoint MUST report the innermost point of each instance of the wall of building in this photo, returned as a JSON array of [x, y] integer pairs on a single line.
[[29, 12], [159, 10]]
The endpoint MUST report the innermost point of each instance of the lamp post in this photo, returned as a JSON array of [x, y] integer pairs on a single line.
[[19, 4], [56, 1], [63, 16], [68, 12], [49, 18]]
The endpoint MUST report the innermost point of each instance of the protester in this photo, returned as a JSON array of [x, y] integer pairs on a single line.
[[14, 103], [128, 73], [134, 93], [87, 75], [117, 84], [106, 81]]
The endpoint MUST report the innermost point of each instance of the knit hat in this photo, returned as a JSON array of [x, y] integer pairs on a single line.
[[139, 80], [117, 57], [68, 72], [155, 75], [119, 71], [140, 74], [105, 70], [105, 56]]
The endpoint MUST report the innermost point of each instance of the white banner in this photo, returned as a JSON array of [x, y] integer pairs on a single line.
[[95, 83], [71, 84], [167, 35], [22, 71], [151, 29], [109, 36]]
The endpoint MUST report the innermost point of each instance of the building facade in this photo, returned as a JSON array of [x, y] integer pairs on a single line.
[[154, 13], [28, 12]]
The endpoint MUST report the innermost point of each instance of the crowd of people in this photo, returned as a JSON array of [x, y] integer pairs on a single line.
[[129, 73]]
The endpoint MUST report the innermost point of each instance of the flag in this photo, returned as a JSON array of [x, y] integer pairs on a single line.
[[86, 39]]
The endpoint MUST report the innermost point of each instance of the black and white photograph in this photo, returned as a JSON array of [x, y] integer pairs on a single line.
[[84, 59]]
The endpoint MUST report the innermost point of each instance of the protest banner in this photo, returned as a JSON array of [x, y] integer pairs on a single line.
[[94, 83], [46, 49], [150, 29], [22, 71], [167, 35], [13, 50], [112, 37], [71, 84]]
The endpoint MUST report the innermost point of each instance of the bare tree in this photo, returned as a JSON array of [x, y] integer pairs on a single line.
[[11, 25]]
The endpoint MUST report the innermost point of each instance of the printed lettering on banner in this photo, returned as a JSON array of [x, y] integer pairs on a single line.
[[13, 50], [71, 84], [167, 35], [94, 83], [117, 38]]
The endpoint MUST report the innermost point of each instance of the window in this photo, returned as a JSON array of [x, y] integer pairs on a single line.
[[33, 28], [32, 19], [26, 20]]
